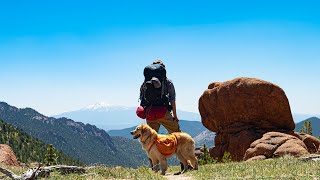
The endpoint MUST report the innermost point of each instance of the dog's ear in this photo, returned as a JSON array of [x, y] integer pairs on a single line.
[[143, 130]]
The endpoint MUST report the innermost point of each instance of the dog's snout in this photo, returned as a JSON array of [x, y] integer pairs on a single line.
[[131, 132]]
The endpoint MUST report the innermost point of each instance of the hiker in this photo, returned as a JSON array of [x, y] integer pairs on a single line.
[[158, 98]]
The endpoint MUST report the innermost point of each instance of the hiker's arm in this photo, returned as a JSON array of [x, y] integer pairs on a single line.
[[172, 99], [174, 110]]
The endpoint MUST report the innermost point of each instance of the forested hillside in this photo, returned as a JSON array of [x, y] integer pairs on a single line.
[[85, 142], [28, 149]]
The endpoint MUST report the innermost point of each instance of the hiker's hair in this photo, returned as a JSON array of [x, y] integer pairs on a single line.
[[158, 61]]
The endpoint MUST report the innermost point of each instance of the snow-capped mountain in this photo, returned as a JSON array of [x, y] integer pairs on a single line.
[[110, 117], [103, 107]]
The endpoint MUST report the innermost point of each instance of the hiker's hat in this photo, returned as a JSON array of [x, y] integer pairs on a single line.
[[158, 61], [140, 112]]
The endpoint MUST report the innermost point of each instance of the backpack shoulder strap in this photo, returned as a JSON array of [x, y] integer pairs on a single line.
[[143, 94]]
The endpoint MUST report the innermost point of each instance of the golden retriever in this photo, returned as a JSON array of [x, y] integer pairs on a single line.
[[185, 150]]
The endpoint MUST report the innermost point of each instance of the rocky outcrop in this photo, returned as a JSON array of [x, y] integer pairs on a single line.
[[275, 144], [312, 143], [7, 156], [240, 111]]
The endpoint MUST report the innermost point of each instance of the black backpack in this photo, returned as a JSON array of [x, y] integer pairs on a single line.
[[151, 95]]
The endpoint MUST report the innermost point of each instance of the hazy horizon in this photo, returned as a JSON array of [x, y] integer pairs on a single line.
[[298, 117]]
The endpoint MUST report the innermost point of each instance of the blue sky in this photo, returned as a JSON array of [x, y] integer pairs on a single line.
[[57, 56]]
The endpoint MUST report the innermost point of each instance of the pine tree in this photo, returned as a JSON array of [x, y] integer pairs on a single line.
[[51, 156], [306, 128], [205, 157]]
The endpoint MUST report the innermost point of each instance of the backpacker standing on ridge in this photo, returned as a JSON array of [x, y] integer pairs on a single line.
[[158, 98]]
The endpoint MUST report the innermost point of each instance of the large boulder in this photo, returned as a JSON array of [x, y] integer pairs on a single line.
[[7, 156], [240, 111], [246, 101]]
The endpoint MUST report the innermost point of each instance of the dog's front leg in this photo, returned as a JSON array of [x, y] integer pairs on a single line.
[[151, 164], [164, 166], [155, 165]]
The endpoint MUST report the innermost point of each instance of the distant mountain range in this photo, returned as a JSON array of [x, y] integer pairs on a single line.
[[205, 137], [301, 117], [109, 117], [81, 141], [315, 124]]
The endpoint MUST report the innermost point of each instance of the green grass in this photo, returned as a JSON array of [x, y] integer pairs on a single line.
[[122, 173], [282, 168]]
